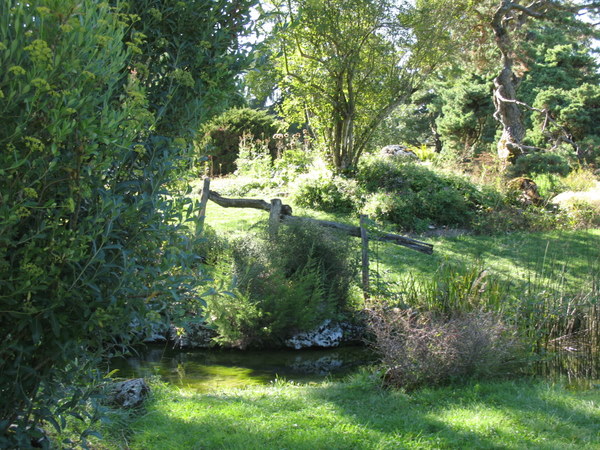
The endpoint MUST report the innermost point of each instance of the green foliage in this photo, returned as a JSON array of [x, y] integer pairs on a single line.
[[62, 254], [325, 191], [282, 286], [220, 137], [91, 246], [575, 111], [465, 123], [412, 196], [254, 159], [345, 65], [579, 179], [186, 55], [540, 163]]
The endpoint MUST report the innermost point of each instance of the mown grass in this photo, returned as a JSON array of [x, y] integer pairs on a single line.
[[359, 415], [512, 414], [556, 258]]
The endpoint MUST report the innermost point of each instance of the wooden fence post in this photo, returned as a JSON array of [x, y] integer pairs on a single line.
[[274, 216], [202, 208], [365, 255]]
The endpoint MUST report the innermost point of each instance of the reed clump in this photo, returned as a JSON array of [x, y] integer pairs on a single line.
[[466, 322]]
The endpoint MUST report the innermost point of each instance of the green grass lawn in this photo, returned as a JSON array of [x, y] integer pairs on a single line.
[[549, 258], [565, 258], [359, 415]]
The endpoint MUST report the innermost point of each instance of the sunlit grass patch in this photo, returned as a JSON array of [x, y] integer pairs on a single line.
[[341, 415]]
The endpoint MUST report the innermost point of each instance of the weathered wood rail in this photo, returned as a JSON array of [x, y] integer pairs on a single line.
[[286, 216], [279, 212]]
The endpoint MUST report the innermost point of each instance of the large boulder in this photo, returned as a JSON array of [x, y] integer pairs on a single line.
[[328, 334], [568, 199], [128, 393]]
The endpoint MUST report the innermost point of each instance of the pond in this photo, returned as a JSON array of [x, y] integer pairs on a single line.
[[209, 369], [204, 370]]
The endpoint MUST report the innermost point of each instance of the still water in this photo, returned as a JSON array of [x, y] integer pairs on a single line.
[[209, 369]]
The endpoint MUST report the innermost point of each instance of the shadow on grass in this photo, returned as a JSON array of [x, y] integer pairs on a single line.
[[547, 259], [493, 415], [343, 416]]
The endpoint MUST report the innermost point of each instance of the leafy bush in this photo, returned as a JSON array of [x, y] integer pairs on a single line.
[[540, 163], [325, 191], [220, 137], [412, 196], [421, 348], [90, 245], [282, 286]]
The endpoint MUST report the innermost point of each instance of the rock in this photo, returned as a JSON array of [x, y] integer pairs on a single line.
[[567, 199], [328, 334], [129, 393], [192, 335], [398, 151]]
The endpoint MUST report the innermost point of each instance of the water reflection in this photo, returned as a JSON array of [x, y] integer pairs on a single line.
[[208, 369], [576, 361]]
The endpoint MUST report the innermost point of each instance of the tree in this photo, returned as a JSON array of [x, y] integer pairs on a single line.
[[345, 65], [187, 55], [509, 22], [465, 121]]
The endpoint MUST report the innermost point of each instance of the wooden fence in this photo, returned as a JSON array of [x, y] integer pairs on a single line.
[[279, 212]]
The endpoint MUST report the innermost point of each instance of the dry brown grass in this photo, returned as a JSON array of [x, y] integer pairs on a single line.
[[420, 348]]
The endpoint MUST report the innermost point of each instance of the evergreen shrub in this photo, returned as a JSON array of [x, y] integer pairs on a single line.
[[220, 137], [540, 163], [282, 285]]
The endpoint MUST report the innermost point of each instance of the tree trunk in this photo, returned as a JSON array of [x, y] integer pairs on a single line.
[[343, 142], [509, 115], [505, 90]]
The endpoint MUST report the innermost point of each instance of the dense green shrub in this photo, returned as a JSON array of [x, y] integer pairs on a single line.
[[220, 137], [411, 195], [325, 191], [540, 163], [282, 285], [90, 244]]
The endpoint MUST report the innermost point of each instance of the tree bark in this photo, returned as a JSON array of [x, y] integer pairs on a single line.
[[505, 90]]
